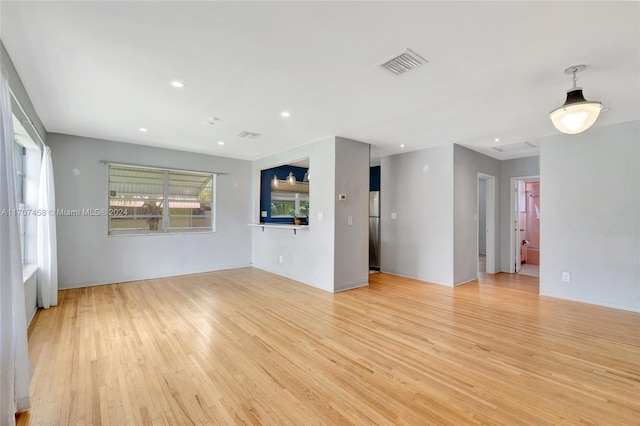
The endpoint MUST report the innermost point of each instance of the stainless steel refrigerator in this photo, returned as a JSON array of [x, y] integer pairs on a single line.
[[374, 230]]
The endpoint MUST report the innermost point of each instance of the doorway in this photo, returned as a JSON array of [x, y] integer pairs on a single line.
[[525, 232], [486, 225], [374, 219]]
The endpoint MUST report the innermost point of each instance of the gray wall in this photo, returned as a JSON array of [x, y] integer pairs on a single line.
[[519, 167], [88, 256], [482, 216], [352, 241], [466, 165], [590, 210], [418, 186], [307, 257]]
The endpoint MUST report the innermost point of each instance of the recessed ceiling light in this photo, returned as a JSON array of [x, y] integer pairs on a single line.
[[220, 142], [285, 114], [402, 146], [143, 129], [178, 84], [496, 140]]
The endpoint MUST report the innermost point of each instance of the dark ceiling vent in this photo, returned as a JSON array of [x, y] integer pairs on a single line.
[[403, 62], [250, 135]]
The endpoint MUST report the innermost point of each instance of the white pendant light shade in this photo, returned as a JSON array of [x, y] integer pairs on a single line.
[[275, 182], [291, 178], [577, 114]]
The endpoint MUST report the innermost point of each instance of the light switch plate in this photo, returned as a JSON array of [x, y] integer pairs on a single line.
[[350, 220], [320, 216], [394, 216], [263, 213]]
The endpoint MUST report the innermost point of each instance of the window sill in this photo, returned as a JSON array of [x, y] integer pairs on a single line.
[[28, 271]]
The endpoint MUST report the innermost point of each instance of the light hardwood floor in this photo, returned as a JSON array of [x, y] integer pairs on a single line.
[[245, 346]]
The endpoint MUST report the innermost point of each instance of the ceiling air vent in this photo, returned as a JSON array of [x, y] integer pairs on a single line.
[[403, 62], [246, 134], [515, 147]]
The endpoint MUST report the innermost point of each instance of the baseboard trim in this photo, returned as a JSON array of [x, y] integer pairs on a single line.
[[33, 314], [468, 281], [416, 278], [143, 278], [354, 286], [596, 303]]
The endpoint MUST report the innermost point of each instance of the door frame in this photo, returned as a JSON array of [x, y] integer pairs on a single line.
[[490, 215], [514, 221]]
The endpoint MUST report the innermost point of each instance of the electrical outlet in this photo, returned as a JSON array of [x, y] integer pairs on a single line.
[[350, 220], [566, 277], [394, 216], [320, 216], [263, 213]]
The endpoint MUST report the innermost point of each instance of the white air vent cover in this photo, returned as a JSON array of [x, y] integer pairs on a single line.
[[515, 147], [246, 134], [403, 62]]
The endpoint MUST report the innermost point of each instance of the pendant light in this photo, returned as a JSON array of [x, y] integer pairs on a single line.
[[577, 114], [291, 178], [307, 176], [275, 182]]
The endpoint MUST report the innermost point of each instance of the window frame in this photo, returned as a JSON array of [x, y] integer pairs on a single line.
[[21, 198], [166, 199], [297, 200]]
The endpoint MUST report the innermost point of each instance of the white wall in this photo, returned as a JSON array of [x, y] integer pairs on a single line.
[[418, 186], [590, 210], [308, 257], [88, 256], [519, 167], [351, 241], [467, 164], [482, 216]]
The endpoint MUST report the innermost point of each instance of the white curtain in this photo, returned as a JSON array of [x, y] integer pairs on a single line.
[[47, 245], [15, 369]]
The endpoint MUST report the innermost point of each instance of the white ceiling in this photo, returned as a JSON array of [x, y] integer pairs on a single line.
[[102, 69]]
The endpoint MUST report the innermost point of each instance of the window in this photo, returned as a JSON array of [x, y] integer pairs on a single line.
[[20, 154], [150, 200], [289, 204]]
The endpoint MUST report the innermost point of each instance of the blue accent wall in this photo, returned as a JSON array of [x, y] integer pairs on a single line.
[[374, 178], [266, 176]]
